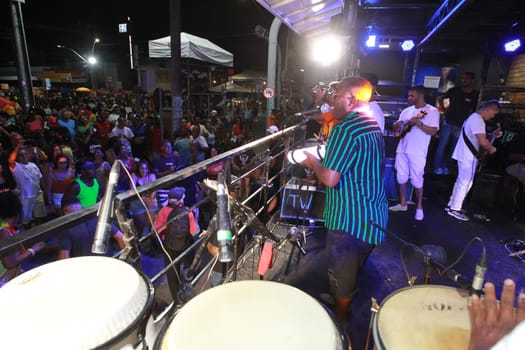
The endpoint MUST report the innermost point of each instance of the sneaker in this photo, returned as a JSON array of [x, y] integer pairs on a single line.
[[438, 171], [482, 217], [419, 215], [445, 171], [398, 207], [327, 299], [458, 215]]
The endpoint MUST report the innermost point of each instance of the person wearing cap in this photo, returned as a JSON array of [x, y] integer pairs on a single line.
[[76, 241], [352, 172], [177, 234], [86, 187]]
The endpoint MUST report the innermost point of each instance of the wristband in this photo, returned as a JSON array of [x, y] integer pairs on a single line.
[[31, 251]]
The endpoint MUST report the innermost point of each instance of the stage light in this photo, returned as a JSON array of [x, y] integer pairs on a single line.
[[407, 45], [327, 50], [384, 46], [371, 41], [513, 45]]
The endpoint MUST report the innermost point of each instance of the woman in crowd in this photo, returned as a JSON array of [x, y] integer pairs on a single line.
[[102, 168], [59, 180], [142, 176]]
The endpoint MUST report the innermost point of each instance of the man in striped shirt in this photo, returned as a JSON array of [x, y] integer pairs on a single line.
[[352, 172]]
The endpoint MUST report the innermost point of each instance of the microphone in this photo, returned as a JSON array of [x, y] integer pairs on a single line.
[[105, 212], [479, 275], [224, 227], [308, 112]]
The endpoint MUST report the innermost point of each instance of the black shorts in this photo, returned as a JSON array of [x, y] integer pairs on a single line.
[[347, 255]]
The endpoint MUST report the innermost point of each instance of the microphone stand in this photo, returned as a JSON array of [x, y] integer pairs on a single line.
[[131, 252], [459, 279]]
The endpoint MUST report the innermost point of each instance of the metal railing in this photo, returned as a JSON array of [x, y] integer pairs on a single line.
[[286, 139]]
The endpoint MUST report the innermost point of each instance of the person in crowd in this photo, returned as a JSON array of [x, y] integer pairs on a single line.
[[59, 180], [462, 102], [86, 187], [471, 142], [241, 164], [182, 143], [84, 133], [77, 241], [103, 128], [34, 128], [237, 129], [102, 168], [178, 233], [198, 146], [497, 325], [6, 130], [352, 172], [166, 163], [114, 115], [28, 178], [156, 138], [142, 176], [140, 131], [67, 121], [516, 158], [419, 123], [211, 135], [124, 134], [214, 169], [10, 264]]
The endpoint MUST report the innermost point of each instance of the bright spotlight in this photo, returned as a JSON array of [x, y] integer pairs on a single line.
[[327, 50], [92, 60], [513, 45], [407, 45], [371, 41]]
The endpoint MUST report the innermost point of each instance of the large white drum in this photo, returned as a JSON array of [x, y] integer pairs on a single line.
[[79, 303], [426, 317], [252, 315]]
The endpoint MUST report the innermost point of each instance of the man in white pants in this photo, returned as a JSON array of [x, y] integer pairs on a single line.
[[474, 130], [419, 123]]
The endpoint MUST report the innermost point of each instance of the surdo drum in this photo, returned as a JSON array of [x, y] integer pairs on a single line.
[[78, 303], [252, 315], [426, 317]]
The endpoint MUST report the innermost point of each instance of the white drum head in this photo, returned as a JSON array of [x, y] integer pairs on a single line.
[[252, 315], [427, 317], [77, 303]]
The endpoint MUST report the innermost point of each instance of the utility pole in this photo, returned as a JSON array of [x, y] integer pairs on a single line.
[[176, 88], [25, 83]]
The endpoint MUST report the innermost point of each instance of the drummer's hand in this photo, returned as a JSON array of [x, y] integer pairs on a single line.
[[491, 321], [310, 161]]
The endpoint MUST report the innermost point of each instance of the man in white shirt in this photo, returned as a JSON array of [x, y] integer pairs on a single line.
[[418, 123], [474, 130], [124, 134]]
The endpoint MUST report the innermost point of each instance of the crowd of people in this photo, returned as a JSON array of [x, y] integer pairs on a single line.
[[56, 159]]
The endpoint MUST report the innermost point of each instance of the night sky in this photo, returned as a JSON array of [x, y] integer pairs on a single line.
[[230, 24]]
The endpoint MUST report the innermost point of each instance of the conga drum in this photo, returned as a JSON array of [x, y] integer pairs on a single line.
[[429, 317], [252, 315], [78, 303]]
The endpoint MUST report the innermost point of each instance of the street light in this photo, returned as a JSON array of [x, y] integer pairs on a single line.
[[90, 61]]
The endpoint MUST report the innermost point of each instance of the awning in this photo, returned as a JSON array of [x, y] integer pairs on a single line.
[[306, 18], [191, 46], [230, 87]]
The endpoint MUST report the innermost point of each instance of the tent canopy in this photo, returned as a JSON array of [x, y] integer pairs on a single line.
[[248, 75], [191, 46], [230, 87]]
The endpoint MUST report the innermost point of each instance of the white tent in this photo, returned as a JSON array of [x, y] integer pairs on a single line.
[[191, 46]]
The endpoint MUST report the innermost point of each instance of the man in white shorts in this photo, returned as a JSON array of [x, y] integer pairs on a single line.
[[416, 125]]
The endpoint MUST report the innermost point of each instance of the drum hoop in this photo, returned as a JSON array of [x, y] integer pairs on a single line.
[[140, 320]]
